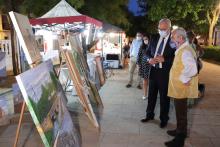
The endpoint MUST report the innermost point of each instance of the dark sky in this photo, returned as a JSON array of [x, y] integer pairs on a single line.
[[133, 6]]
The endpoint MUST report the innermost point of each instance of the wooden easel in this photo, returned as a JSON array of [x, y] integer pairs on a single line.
[[62, 64], [22, 113]]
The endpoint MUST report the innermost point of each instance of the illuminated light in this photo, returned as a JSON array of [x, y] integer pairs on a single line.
[[86, 32], [99, 45], [100, 34], [175, 27], [112, 35]]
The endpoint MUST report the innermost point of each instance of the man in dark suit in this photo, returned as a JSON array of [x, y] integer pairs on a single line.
[[160, 55]]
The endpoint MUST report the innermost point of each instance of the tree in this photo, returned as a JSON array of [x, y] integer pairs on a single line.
[[200, 16], [36, 8], [108, 11], [178, 11], [213, 12]]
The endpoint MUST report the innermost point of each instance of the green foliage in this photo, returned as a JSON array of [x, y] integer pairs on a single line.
[[108, 11], [54, 83], [49, 136], [9, 5], [36, 8], [45, 103], [190, 14], [43, 106], [212, 53]]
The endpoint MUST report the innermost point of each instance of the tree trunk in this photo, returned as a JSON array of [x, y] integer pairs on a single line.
[[210, 37]]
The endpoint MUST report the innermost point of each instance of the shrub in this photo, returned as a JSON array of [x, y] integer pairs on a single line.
[[212, 53]]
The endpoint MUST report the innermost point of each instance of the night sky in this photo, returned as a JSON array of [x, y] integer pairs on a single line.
[[133, 6]]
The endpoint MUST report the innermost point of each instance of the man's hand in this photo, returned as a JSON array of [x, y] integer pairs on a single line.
[[159, 59], [153, 61]]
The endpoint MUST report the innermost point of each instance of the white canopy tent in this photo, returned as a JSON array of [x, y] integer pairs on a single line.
[[62, 9], [64, 17]]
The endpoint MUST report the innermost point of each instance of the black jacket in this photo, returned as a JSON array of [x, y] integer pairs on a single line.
[[168, 54]]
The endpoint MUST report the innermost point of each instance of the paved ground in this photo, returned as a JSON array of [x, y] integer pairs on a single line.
[[120, 118]]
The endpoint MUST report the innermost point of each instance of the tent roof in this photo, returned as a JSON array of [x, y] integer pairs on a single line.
[[62, 20], [60, 10], [63, 13], [111, 28]]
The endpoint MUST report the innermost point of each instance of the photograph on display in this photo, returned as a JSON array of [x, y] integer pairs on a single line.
[[80, 84], [76, 47], [83, 69], [26, 37], [6, 103], [100, 70], [46, 102], [40, 42], [3, 72], [18, 98]]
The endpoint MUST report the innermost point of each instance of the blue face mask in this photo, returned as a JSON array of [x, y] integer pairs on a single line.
[[173, 44]]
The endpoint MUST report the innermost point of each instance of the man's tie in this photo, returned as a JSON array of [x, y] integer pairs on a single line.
[[160, 47], [159, 51]]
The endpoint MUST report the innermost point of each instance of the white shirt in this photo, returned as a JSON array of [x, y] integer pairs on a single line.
[[190, 64], [135, 46], [164, 45]]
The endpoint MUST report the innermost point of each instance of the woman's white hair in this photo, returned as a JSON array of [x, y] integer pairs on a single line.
[[180, 32]]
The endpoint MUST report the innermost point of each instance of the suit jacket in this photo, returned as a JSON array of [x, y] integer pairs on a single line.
[[168, 54]]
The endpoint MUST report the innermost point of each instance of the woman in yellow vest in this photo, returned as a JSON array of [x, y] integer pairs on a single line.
[[183, 84]]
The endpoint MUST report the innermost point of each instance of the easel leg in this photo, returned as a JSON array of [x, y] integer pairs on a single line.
[[19, 124]]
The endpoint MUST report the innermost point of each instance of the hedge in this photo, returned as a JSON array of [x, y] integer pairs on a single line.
[[212, 53]]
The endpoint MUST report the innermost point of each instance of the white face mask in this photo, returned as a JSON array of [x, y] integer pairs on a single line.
[[145, 41], [173, 44], [163, 33], [138, 38]]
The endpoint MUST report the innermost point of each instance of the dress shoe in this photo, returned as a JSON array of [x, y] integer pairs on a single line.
[[171, 132], [128, 85], [178, 141], [163, 124], [144, 120], [174, 133]]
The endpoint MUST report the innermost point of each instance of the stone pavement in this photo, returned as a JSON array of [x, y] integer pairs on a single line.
[[120, 118]]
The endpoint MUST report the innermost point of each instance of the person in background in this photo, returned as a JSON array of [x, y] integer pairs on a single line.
[[199, 53], [183, 84], [144, 66], [134, 49], [160, 55], [126, 48]]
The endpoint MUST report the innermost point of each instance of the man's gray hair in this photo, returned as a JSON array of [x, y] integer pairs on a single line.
[[180, 32], [166, 20]]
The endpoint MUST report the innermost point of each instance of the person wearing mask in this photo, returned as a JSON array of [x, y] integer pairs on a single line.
[[134, 49], [199, 53], [160, 55], [144, 66], [183, 84]]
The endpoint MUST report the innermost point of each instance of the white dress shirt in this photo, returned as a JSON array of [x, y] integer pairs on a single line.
[[164, 45], [135, 46], [190, 64]]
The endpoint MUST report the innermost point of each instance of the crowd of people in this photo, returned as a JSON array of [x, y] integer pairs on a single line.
[[168, 64]]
